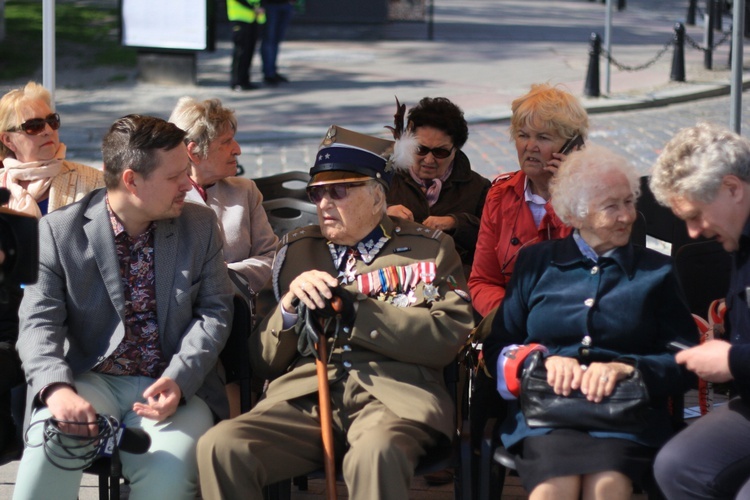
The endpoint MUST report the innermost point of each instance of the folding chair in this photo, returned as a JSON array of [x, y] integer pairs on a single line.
[[284, 185], [287, 214]]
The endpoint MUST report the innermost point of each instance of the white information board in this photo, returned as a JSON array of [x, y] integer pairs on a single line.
[[165, 24]]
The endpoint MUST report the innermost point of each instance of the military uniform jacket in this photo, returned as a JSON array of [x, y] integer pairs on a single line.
[[395, 353]]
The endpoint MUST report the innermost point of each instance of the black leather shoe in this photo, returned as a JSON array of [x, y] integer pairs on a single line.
[[242, 88], [276, 79]]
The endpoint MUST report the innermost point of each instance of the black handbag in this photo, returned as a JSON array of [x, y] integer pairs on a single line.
[[623, 411]]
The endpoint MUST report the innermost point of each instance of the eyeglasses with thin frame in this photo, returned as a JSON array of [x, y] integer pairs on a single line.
[[335, 191], [439, 153], [36, 126]]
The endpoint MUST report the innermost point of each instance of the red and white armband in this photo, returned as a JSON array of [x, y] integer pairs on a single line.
[[509, 366]]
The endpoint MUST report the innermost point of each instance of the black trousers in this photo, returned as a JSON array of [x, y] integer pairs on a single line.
[[244, 35], [10, 376]]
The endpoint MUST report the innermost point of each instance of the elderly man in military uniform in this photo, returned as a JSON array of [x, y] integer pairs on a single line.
[[408, 314]]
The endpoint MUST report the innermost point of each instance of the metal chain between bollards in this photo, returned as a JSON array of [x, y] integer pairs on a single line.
[[696, 45], [645, 65]]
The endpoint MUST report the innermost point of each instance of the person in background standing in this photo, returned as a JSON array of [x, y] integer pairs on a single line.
[[246, 17], [278, 15]]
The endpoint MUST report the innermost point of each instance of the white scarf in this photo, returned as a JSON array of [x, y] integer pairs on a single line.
[[40, 173]]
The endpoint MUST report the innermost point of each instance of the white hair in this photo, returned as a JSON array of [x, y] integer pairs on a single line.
[[580, 176]]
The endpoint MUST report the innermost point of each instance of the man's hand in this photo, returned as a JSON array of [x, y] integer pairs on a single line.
[[311, 287], [710, 360], [444, 222], [65, 404], [163, 397], [399, 211]]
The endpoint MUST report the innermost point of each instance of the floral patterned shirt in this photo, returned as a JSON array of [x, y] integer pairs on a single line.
[[140, 351]]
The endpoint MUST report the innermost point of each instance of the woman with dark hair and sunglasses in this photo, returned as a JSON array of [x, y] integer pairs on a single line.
[[440, 190], [35, 171], [517, 212]]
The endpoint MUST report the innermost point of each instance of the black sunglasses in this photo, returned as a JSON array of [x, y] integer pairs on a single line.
[[36, 126], [438, 153], [335, 191]]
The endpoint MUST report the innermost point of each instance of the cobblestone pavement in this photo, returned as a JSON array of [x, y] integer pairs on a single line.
[[638, 135]]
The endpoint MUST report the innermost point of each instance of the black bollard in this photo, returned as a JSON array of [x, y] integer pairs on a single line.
[[621, 4], [718, 15], [591, 88], [690, 20], [678, 59], [708, 55]]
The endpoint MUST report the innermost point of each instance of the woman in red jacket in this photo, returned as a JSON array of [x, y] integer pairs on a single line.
[[547, 122]]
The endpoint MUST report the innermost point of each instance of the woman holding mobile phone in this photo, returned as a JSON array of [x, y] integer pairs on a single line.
[[517, 212]]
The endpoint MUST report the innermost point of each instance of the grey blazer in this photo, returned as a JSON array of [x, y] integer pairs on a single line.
[[73, 317]]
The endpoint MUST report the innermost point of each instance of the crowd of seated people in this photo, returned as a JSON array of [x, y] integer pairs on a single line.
[[133, 302]]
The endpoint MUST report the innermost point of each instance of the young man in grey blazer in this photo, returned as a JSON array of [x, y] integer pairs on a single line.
[[129, 314]]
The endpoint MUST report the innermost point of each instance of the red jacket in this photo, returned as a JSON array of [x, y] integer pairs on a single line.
[[506, 227]]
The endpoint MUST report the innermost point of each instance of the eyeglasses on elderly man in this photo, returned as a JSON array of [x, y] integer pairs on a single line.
[[335, 191]]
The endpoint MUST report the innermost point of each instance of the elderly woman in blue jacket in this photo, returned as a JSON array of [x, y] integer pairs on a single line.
[[602, 308]]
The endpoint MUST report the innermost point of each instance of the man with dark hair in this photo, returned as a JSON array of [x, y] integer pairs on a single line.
[[405, 316], [130, 311]]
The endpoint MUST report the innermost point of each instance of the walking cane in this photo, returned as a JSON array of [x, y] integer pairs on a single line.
[[326, 418]]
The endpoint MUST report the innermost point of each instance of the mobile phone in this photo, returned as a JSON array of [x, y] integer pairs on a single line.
[[676, 346], [570, 144]]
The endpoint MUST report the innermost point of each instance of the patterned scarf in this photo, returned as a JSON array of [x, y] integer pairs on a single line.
[[39, 173], [432, 187]]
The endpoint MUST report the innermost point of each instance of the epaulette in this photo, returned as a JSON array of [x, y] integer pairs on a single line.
[[300, 233], [504, 177], [415, 229]]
